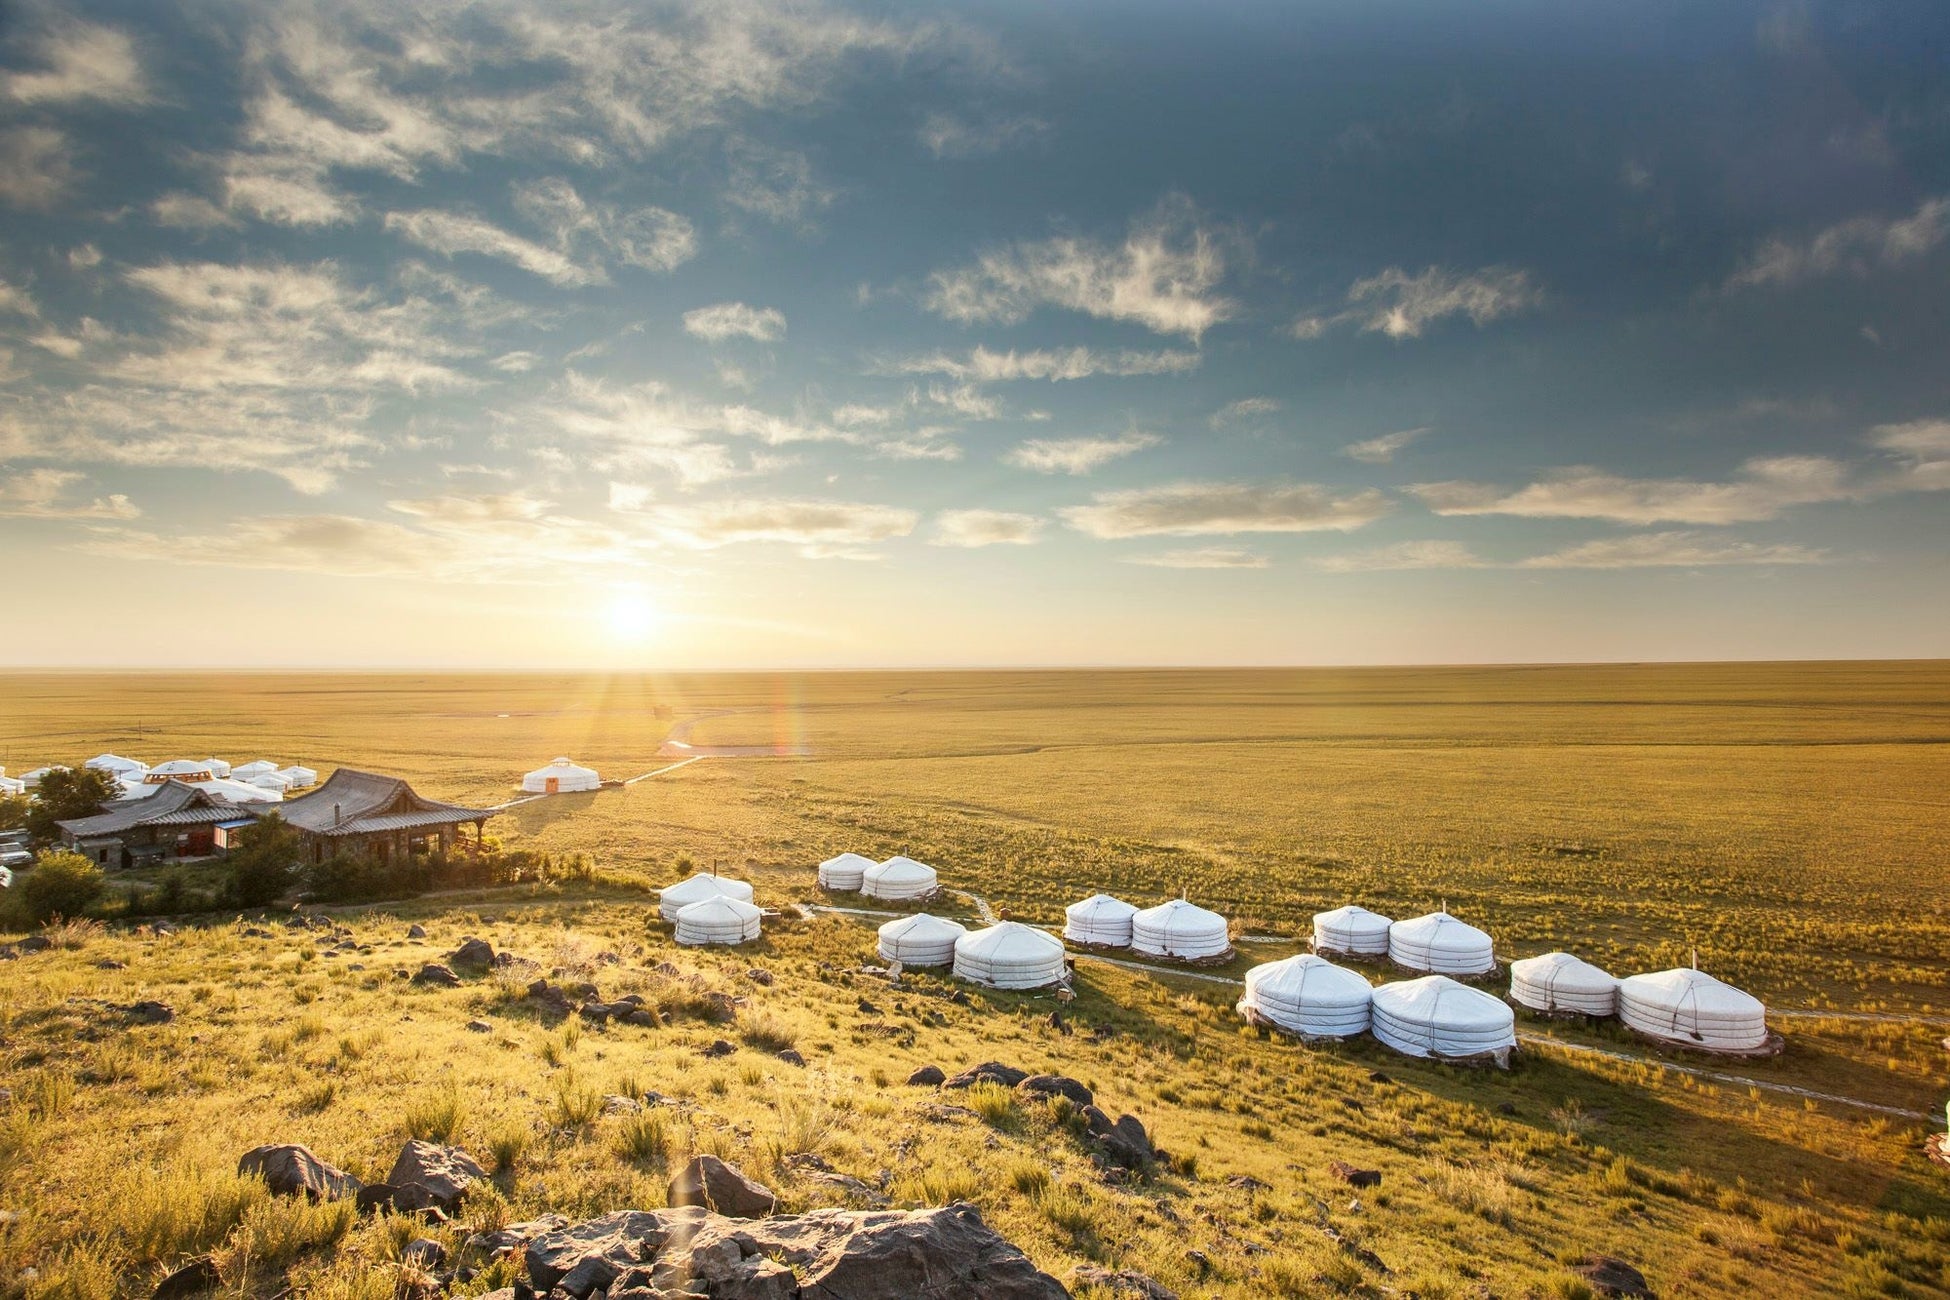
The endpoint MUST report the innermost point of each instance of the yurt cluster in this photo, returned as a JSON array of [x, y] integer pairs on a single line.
[[1434, 1015], [1439, 1017], [259, 781]]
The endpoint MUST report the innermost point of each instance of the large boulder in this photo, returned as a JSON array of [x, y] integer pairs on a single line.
[[291, 1170], [988, 1072], [945, 1254], [473, 954], [437, 975], [445, 1172], [1056, 1085], [1612, 1277], [721, 1188]]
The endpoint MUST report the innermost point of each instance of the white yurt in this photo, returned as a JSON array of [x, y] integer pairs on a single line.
[[32, 778], [1440, 943], [115, 764], [899, 877], [217, 766], [180, 769], [921, 940], [1010, 955], [1437, 1018], [696, 889], [261, 767], [1689, 1008], [1557, 982], [1352, 932], [299, 777], [268, 781], [719, 919], [561, 776], [1180, 930], [1309, 996], [845, 873], [11, 785], [1099, 920]]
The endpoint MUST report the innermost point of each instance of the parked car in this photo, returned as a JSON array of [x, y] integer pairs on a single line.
[[12, 856]]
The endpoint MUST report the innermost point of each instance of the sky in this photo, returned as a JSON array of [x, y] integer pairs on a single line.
[[678, 336]]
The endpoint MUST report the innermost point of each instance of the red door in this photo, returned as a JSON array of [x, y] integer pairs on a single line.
[[554, 785]]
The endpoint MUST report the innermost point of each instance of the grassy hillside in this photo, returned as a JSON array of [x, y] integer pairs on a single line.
[[1789, 822]]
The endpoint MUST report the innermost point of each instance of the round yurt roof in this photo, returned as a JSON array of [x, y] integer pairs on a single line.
[[1180, 917], [1308, 979], [1696, 989], [1441, 1001], [1010, 942], [846, 861], [701, 886], [719, 907], [901, 867], [1101, 907], [1563, 971], [922, 928], [563, 767], [182, 767], [114, 763], [1440, 932], [254, 768], [1353, 917]]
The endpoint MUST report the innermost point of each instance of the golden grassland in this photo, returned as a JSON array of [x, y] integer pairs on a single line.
[[1790, 822]]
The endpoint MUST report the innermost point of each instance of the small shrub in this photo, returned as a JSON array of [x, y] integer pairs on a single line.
[[507, 1145], [577, 1101], [438, 1116], [1027, 1175], [765, 1032], [994, 1103], [644, 1139]]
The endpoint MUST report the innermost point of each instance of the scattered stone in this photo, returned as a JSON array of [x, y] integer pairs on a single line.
[[621, 1106], [760, 977], [151, 1013], [928, 1076], [424, 1253], [1376, 1076], [445, 1172], [719, 1047], [644, 1017], [1613, 1277], [1247, 1183], [596, 1013], [722, 1189], [1353, 1177], [868, 1008], [195, 1278], [435, 974], [416, 931], [987, 1072], [1128, 1144], [1057, 1022], [1056, 1085], [722, 1007], [1124, 1282], [791, 1056], [292, 1170], [515, 1236], [109, 963], [35, 943], [480, 1027], [476, 954]]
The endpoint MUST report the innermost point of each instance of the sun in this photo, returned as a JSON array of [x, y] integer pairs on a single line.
[[631, 616]]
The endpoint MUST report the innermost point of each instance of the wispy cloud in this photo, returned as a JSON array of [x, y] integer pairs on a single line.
[[817, 529], [948, 136], [80, 61], [44, 494], [733, 320], [1673, 550], [972, 528], [580, 235], [1164, 276], [1402, 555], [1854, 247], [1246, 408], [1076, 455], [36, 167], [1202, 557], [1922, 449], [983, 365], [1764, 488], [778, 185], [452, 233], [1404, 306], [1218, 509], [1379, 451]]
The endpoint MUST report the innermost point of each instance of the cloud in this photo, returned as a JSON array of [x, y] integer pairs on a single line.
[[948, 136], [1672, 550], [36, 170], [927, 444], [451, 233], [1857, 246], [510, 538], [81, 62], [1076, 455], [1402, 555], [653, 238], [16, 301], [182, 211], [818, 529], [1246, 408], [1923, 448], [776, 184], [1404, 306], [1379, 451], [1164, 276], [970, 528], [1208, 509], [520, 361], [984, 366], [43, 494], [728, 320], [1765, 488], [1203, 557]]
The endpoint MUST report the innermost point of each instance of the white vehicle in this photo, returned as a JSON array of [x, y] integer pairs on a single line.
[[12, 856]]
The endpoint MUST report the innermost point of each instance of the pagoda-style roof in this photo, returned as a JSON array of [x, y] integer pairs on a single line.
[[176, 804], [366, 803]]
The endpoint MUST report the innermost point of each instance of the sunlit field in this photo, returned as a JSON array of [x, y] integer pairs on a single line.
[[1789, 823]]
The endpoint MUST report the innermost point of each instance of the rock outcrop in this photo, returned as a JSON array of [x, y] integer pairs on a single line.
[[721, 1188], [291, 1170]]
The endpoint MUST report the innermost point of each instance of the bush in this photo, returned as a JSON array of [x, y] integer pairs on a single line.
[[58, 884], [13, 811], [260, 867], [66, 793]]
